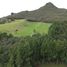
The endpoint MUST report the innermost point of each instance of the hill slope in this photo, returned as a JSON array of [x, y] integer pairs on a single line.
[[49, 12], [24, 28]]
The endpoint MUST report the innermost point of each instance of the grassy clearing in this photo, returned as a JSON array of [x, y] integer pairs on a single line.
[[24, 28]]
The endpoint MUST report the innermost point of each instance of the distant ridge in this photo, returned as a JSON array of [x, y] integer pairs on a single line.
[[49, 12]]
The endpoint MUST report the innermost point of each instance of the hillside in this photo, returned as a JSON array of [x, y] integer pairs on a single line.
[[49, 12], [24, 28]]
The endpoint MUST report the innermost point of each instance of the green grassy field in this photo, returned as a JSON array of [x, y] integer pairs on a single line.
[[24, 28]]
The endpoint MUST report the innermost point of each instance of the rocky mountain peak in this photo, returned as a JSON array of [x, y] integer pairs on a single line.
[[50, 5]]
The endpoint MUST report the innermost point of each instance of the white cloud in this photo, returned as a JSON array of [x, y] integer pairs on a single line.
[[8, 6]]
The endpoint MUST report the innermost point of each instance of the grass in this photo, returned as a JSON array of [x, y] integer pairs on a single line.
[[24, 28]]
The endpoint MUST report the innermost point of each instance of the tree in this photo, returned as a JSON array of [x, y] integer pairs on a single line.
[[58, 30]]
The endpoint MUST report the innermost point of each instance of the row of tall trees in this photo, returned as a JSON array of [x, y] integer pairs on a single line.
[[31, 51]]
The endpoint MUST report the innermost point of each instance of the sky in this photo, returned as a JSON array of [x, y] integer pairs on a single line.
[[8, 6]]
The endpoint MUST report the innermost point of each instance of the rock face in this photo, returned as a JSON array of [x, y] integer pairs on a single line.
[[49, 12]]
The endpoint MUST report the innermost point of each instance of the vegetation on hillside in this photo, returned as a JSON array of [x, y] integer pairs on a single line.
[[32, 51]]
